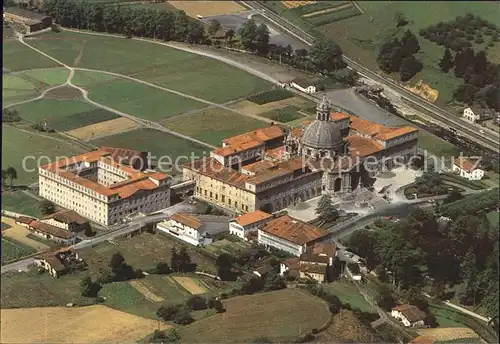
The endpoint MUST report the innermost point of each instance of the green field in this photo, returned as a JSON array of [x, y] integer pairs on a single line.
[[21, 203], [361, 36], [189, 73], [212, 125], [347, 293], [271, 96], [334, 16], [436, 145], [28, 84], [134, 98], [17, 56], [284, 115], [493, 218], [160, 144], [37, 149], [63, 115], [122, 296], [13, 250], [30, 289]]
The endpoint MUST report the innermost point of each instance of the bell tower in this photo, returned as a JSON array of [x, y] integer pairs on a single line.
[[323, 110]]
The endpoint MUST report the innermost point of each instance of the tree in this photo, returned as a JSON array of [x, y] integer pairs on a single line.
[[390, 56], [174, 260], [326, 56], [385, 300], [4, 177], [224, 267], [354, 268], [465, 93], [229, 35], [168, 312], [463, 60], [409, 67], [454, 196], [116, 261], [88, 231], [409, 44], [326, 210], [262, 39], [185, 264], [183, 317], [196, 303], [163, 269], [400, 19], [248, 34], [214, 27], [89, 288], [11, 174], [446, 62], [195, 32], [172, 337], [47, 207], [275, 282], [362, 242], [219, 306]]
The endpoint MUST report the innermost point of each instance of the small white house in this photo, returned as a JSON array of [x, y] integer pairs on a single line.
[[196, 230], [474, 114], [409, 315], [247, 223], [468, 168], [306, 89]]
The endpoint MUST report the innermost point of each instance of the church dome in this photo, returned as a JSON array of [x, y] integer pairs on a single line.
[[322, 135]]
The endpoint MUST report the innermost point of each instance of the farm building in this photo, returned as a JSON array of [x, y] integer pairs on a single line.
[[31, 21], [65, 219], [468, 169], [97, 186], [409, 315], [59, 262], [198, 230], [303, 85], [475, 114], [249, 222], [50, 232], [290, 235], [312, 264]]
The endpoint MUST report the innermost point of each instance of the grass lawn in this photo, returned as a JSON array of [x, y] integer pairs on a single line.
[[137, 99], [436, 145], [34, 150], [185, 72], [212, 125], [122, 296], [43, 241], [160, 144], [30, 289], [493, 218], [360, 36], [141, 252], [63, 115], [347, 293], [17, 56], [45, 77], [446, 317], [281, 315], [13, 250], [21, 203], [284, 115]]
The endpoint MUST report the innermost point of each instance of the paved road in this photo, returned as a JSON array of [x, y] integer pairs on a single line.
[[118, 230], [441, 116]]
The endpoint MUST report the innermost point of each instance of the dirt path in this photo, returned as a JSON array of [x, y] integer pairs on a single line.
[[328, 10], [77, 60], [19, 233], [190, 285]]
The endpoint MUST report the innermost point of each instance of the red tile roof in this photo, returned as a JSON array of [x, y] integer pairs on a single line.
[[378, 131], [410, 312], [293, 230], [48, 229], [253, 217], [186, 219], [261, 135], [466, 164], [66, 216]]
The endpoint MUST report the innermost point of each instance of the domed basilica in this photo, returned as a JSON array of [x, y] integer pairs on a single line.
[[274, 167]]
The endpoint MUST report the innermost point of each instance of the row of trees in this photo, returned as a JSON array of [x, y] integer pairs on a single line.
[[423, 248], [180, 313], [397, 55], [10, 116]]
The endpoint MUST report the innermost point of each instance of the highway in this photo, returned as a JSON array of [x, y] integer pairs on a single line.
[[120, 230], [442, 117]]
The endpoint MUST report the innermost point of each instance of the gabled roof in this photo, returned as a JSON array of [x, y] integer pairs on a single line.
[[466, 164], [293, 230], [25, 219], [259, 135], [410, 312], [48, 229], [187, 220], [67, 217], [252, 217]]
